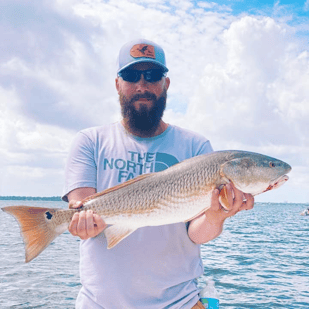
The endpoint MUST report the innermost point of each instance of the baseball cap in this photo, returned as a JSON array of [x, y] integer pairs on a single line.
[[141, 50]]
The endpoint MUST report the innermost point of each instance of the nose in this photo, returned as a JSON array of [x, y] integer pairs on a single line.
[[142, 84]]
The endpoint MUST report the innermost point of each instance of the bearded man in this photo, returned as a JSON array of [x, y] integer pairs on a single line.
[[155, 267]]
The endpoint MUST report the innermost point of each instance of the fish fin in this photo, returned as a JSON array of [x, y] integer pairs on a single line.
[[36, 227], [223, 198], [115, 233], [122, 185]]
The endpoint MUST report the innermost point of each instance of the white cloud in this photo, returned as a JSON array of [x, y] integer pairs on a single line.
[[239, 84], [241, 81], [32, 155], [255, 95]]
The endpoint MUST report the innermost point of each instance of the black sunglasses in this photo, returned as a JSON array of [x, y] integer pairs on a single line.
[[133, 76]]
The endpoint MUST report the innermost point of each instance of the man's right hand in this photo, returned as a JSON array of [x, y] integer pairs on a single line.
[[85, 224]]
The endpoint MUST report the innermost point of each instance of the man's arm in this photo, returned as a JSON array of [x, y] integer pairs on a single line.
[[209, 225], [84, 224]]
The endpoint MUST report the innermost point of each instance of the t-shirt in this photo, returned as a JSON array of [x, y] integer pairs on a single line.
[[154, 267]]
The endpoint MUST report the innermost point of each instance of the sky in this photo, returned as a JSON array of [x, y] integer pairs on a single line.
[[239, 75]]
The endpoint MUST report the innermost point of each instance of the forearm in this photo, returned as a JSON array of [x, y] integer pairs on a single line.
[[79, 194], [203, 229]]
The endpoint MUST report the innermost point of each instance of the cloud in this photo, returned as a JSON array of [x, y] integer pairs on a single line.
[[52, 63], [239, 80], [254, 95], [255, 71], [32, 155]]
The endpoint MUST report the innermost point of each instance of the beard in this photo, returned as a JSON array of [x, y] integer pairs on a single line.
[[146, 120]]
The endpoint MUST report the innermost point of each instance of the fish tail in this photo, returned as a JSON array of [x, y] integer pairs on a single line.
[[37, 227]]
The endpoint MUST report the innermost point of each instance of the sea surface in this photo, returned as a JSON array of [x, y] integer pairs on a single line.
[[261, 260]]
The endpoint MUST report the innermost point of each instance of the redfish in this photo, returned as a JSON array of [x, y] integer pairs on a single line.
[[177, 194]]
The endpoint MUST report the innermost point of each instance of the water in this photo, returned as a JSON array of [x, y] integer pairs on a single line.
[[261, 260]]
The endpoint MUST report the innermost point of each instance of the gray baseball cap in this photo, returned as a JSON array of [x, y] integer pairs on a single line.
[[141, 50]]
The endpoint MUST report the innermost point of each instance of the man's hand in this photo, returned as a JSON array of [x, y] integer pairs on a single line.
[[209, 225], [85, 224], [238, 201]]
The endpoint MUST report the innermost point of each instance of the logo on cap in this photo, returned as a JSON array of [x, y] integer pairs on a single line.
[[143, 50]]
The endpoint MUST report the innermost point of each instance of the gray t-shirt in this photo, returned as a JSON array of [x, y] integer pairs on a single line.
[[154, 267]]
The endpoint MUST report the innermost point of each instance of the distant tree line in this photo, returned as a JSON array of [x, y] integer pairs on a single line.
[[30, 198]]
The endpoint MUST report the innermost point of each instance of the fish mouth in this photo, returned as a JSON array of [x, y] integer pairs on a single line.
[[277, 183]]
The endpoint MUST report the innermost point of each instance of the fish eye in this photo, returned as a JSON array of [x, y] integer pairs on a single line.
[[272, 164]]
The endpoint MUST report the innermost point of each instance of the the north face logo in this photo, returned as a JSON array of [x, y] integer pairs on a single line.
[[139, 163], [143, 50]]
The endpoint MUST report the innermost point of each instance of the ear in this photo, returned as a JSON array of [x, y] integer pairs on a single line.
[[167, 83], [117, 83]]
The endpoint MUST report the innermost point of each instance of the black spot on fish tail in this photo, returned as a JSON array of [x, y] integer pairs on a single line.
[[48, 215]]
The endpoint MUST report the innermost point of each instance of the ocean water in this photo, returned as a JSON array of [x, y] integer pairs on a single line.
[[261, 260]]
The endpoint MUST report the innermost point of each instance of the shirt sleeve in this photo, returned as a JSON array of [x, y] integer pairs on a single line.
[[205, 148], [81, 169]]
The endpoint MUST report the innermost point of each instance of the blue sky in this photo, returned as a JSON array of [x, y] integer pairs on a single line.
[[239, 75], [298, 7]]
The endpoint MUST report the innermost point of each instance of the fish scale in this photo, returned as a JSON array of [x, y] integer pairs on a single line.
[[177, 194]]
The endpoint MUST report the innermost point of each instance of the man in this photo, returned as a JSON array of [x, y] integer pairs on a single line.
[[155, 267]]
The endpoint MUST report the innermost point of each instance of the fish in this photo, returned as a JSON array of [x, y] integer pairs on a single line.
[[177, 194]]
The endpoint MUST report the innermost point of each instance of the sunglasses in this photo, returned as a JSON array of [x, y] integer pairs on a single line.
[[133, 76]]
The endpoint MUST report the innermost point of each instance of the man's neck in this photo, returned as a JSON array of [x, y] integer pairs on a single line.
[[145, 134]]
